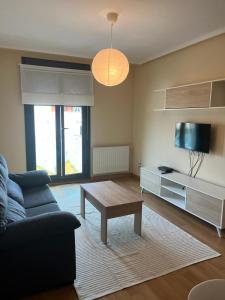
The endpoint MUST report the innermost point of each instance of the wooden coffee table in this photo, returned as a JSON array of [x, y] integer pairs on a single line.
[[112, 201]]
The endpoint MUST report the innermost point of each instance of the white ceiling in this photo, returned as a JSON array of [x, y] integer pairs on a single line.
[[146, 29]]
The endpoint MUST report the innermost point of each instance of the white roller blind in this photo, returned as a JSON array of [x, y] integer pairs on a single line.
[[56, 86]]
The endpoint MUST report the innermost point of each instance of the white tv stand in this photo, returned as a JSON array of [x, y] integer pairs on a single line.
[[198, 197]]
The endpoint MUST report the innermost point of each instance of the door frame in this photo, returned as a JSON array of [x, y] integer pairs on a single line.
[[60, 161], [29, 121]]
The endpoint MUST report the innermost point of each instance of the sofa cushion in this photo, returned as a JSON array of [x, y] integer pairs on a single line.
[[3, 204], [39, 210], [15, 211], [31, 179], [3, 162], [14, 191], [38, 196], [3, 168]]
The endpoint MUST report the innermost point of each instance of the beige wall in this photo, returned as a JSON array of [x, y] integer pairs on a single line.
[[114, 113], [111, 117], [153, 132]]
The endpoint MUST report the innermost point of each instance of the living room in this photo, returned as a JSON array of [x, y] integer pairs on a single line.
[[80, 149]]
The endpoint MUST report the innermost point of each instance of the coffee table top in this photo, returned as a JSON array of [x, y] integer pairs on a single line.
[[110, 194]]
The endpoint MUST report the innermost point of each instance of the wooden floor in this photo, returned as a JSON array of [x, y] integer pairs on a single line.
[[176, 285]]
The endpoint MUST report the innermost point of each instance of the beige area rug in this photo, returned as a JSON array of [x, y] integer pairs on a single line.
[[127, 259]]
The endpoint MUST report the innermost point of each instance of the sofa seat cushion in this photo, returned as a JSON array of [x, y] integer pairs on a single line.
[[14, 191], [15, 211], [39, 210], [38, 196]]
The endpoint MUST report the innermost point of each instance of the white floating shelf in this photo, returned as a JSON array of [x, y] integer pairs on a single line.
[[208, 95], [189, 108]]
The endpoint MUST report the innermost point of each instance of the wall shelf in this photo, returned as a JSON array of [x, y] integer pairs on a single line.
[[208, 95], [190, 108]]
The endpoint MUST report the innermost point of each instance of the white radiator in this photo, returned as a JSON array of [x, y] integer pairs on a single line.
[[110, 160]]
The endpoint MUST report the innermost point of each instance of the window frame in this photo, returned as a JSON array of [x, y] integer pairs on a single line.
[[30, 125]]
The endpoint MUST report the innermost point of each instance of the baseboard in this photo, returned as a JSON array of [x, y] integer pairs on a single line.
[[95, 178], [135, 176], [110, 176]]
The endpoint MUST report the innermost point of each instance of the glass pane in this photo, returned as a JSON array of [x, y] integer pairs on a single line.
[[45, 138], [73, 139]]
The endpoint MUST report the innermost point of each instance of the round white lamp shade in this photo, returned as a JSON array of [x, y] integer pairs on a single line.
[[110, 67]]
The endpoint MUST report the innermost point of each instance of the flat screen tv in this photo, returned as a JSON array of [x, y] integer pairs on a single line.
[[193, 136]]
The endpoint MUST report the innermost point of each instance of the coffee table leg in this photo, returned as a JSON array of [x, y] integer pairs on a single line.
[[82, 202], [137, 222], [103, 228]]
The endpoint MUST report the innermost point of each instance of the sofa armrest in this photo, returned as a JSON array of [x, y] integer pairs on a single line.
[[31, 179], [37, 228]]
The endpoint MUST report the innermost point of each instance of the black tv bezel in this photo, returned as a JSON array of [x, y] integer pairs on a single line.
[[192, 149]]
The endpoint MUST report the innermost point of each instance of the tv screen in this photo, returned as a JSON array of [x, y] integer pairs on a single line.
[[193, 136]]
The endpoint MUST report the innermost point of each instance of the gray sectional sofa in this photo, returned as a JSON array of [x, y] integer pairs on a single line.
[[37, 245]]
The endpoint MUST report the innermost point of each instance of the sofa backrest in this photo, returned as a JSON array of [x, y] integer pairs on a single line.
[[3, 168], [3, 193], [14, 191], [11, 198]]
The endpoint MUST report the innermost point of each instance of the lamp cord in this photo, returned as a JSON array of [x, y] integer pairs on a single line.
[[111, 34]]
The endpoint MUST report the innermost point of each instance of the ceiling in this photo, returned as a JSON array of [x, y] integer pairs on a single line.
[[146, 29]]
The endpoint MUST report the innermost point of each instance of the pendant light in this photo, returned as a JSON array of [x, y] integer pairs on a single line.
[[110, 66]]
